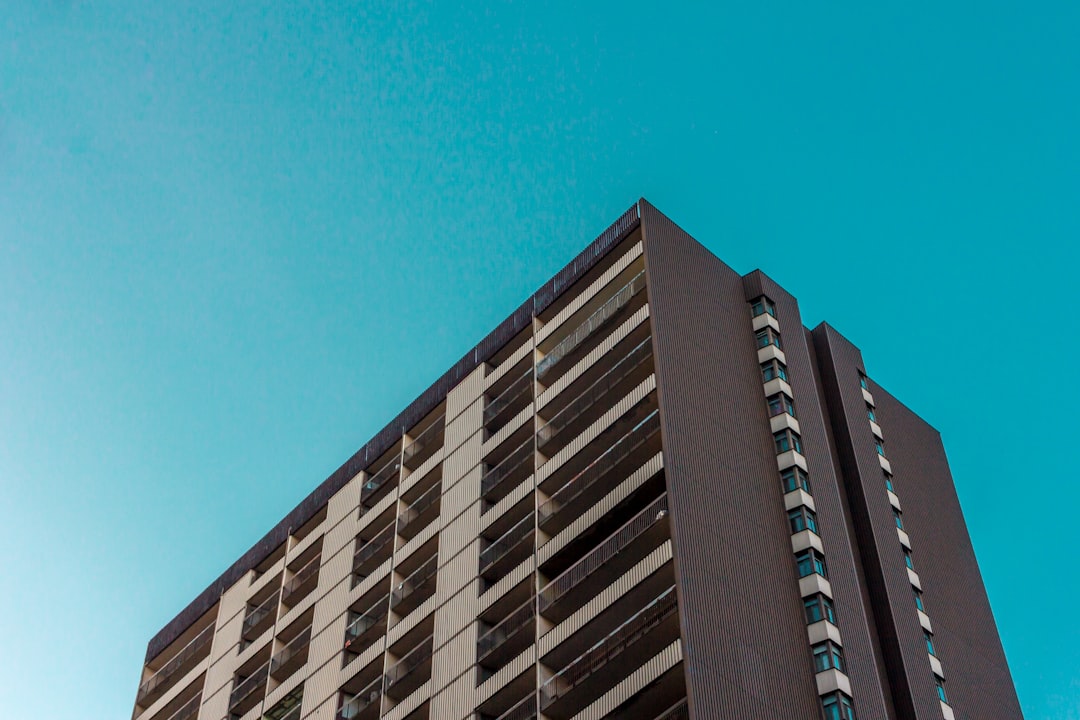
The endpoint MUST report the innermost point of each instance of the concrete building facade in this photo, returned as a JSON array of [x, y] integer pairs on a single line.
[[652, 493]]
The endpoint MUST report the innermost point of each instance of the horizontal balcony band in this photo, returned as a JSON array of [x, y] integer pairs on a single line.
[[653, 513], [506, 542], [189, 710], [613, 645], [597, 469], [418, 506], [260, 617], [376, 482], [505, 629], [596, 392], [182, 661], [410, 662], [678, 711], [249, 685], [300, 584], [286, 659], [507, 398], [424, 444], [361, 701], [420, 579], [591, 324], [371, 548], [521, 459], [367, 620], [524, 710]]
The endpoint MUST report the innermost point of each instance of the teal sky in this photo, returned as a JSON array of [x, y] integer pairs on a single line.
[[235, 242]]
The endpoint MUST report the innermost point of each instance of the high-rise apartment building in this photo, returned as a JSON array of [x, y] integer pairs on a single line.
[[650, 493]]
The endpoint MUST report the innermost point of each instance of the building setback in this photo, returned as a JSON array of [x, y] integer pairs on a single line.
[[650, 493]]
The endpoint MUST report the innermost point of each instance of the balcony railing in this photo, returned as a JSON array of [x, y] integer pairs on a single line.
[[505, 629], [604, 313], [189, 710], [291, 651], [367, 620], [361, 701], [249, 685], [595, 392], [506, 542], [419, 505], [605, 651], [372, 547], [179, 661], [508, 396], [293, 714], [524, 710], [412, 660], [256, 615], [599, 467], [679, 711], [417, 581], [425, 443], [386, 473], [507, 466], [653, 513], [296, 584]]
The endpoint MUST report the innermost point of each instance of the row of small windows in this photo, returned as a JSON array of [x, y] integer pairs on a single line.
[[928, 637], [818, 607]]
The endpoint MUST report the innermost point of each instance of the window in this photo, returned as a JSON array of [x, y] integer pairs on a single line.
[[828, 656], [768, 336], [907, 558], [773, 370], [794, 478], [888, 483], [929, 642], [802, 518], [819, 608], [939, 683], [918, 599], [763, 305], [879, 447], [811, 562], [899, 519], [780, 404], [870, 413], [862, 381], [787, 440], [837, 706]]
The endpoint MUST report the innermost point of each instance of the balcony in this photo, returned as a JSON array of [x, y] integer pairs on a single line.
[[260, 617], [248, 692], [596, 479], [187, 711], [623, 549], [524, 710], [379, 483], [420, 511], [509, 472], [367, 625], [583, 336], [364, 705], [505, 640], [415, 589], [373, 553], [180, 664], [508, 401], [503, 554], [612, 659], [291, 657], [411, 671], [570, 418], [425, 444], [302, 583]]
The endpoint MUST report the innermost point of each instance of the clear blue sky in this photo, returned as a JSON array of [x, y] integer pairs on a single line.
[[234, 242]]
